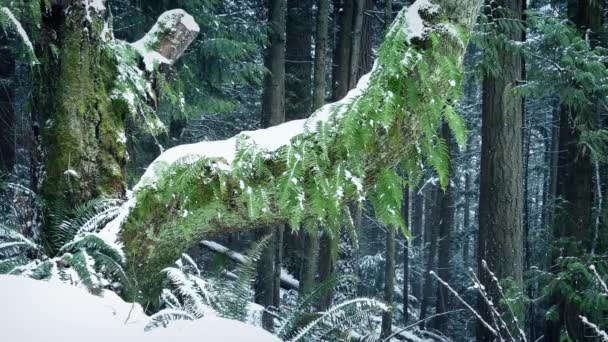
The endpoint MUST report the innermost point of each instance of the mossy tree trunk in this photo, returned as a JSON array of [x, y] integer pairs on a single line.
[[80, 127], [80, 119]]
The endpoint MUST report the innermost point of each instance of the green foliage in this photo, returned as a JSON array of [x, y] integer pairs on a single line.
[[189, 296], [581, 285], [77, 254]]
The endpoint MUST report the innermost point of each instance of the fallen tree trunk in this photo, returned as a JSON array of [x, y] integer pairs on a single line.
[[305, 171]]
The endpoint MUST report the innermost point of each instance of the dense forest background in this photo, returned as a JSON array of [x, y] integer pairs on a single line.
[[497, 230]]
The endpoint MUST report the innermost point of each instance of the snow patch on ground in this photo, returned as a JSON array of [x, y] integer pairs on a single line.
[[52, 311]]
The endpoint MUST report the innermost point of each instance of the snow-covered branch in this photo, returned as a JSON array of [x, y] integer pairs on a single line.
[[304, 171]]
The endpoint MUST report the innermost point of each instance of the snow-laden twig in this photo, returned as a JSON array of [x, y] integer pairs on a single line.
[[599, 279], [500, 290], [464, 302], [20, 32], [496, 317], [600, 333]]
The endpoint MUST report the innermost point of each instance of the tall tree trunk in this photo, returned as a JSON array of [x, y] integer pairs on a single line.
[[366, 59], [264, 282], [311, 241], [466, 222], [343, 14], [405, 211], [7, 111], [501, 199], [417, 201], [389, 282], [355, 50], [575, 185], [433, 199], [273, 113], [84, 154], [327, 267], [320, 55], [298, 59], [445, 241]]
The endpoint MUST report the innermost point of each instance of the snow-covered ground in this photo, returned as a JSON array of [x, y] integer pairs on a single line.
[[35, 310]]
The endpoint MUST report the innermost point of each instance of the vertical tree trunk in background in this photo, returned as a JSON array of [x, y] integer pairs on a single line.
[[501, 190], [575, 186], [431, 226], [298, 59], [445, 241], [389, 282], [273, 113], [311, 241], [264, 282], [466, 222], [298, 98], [343, 14], [417, 229], [320, 55], [406, 257], [7, 111], [327, 266], [311, 246], [366, 59], [355, 49], [84, 155]]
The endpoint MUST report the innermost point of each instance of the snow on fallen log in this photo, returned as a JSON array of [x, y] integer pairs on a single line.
[[306, 170], [165, 43], [52, 311], [287, 280]]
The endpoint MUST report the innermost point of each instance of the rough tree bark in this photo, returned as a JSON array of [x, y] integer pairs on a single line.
[[312, 238], [501, 190], [431, 226], [273, 113], [181, 200], [298, 59]]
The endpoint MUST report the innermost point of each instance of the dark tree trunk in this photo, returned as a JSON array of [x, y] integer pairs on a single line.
[[389, 282], [501, 199], [298, 59], [7, 110], [366, 59], [343, 14], [309, 269], [417, 229], [264, 282], [355, 50], [320, 55], [431, 225], [406, 257], [466, 222], [445, 241], [273, 113], [327, 268], [575, 185]]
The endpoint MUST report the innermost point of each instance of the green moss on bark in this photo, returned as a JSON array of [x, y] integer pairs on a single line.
[[80, 127]]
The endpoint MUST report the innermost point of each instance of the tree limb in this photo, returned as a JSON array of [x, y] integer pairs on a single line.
[[304, 171]]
